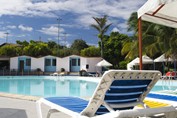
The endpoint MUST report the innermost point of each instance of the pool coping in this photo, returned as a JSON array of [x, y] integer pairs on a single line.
[[21, 97]]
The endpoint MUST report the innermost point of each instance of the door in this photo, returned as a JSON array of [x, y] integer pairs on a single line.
[[21, 66], [75, 64]]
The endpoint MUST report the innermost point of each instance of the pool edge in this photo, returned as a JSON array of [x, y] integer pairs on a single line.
[[21, 97]]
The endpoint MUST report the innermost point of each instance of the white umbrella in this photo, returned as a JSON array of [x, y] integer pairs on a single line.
[[163, 59], [157, 11], [132, 63], [160, 12], [145, 58], [103, 63]]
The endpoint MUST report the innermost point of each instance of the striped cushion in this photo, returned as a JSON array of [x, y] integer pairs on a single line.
[[124, 91], [72, 103], [163, 97]]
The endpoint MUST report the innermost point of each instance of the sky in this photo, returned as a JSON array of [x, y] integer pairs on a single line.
[[41, 19]]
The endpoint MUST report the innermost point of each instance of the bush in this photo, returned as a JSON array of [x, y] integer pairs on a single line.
[[123, 64]]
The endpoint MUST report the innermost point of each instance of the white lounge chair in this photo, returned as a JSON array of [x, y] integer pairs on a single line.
[[116, 96], [58, 74]]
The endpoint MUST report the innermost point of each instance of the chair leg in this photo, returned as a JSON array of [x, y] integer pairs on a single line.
[[38, 107], [51, 111]]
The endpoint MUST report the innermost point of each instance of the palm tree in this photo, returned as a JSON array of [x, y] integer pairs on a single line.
[[130, 48], [157, 39], [102, 28]]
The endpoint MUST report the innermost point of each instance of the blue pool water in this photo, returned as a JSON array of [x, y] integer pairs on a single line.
[[169, 86], [46, 86]]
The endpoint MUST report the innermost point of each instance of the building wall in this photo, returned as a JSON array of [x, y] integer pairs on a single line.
[[14, 63], [83, 63], [60, 63], [92, 64], [37, 63], [63, 63]]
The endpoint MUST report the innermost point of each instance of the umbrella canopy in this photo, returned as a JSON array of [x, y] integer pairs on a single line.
[[103, 63], [132, 63], [157, 11], [163, 59], [146, 60], [160, 12]]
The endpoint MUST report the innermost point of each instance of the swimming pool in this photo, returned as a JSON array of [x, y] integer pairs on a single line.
[[47, 86], [166, 86]]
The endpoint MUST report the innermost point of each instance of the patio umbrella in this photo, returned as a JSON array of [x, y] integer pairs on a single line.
[[146, 60], [162, 58], [103, 63], [132, 63], [136, 61], [157, 11]]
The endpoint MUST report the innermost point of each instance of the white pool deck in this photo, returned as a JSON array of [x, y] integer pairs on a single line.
[[19, 106]]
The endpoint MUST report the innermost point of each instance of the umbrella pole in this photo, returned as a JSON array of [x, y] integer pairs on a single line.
[[163, 68], [175, 68], [154, 65], [140, 41]]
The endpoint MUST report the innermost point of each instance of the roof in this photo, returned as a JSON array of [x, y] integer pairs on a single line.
[[12, 44]]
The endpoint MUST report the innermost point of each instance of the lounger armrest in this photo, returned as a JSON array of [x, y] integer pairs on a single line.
[[127, 105], [169, 111]]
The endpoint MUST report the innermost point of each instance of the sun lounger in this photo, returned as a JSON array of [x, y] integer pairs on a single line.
[[116, 96], [54, 74], [59, 73]]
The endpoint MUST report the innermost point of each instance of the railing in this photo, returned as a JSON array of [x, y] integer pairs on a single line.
[[15, 72]]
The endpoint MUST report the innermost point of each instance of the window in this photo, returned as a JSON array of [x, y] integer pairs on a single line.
[[53, 62], [78, 62], [47, 62], [28, 62], [73, 62]]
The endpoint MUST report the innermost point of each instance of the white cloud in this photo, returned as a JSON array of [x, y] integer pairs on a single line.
[[83, 10], [85, 20], [113, 8], [11, 27], [52, 30], [25, 28], [2, 34], [49, 39], [21, 35], [115, 29]]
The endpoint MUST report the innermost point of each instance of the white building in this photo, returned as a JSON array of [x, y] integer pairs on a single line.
[[72, 63]]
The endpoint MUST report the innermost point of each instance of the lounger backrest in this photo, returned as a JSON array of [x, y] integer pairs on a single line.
[[121, 89]]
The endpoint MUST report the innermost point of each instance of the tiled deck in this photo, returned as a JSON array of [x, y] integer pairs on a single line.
[[20, 106]]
